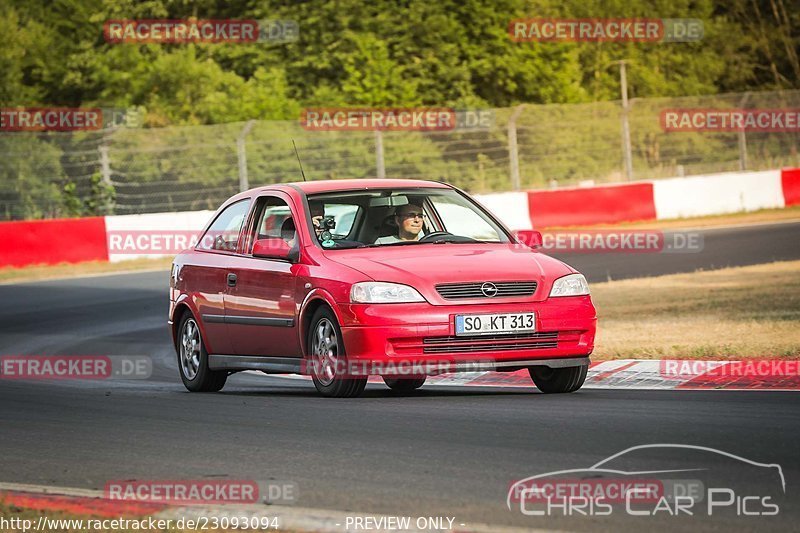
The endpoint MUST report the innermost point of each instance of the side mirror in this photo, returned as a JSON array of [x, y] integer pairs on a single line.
[[530, 238], [272, 248]]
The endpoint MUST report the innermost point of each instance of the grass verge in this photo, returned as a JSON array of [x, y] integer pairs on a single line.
[[742, 312], [67, 270], [70, 522]]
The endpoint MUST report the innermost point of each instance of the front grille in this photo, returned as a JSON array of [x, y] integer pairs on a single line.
[[457, 291], [501, 337], [491, 343]]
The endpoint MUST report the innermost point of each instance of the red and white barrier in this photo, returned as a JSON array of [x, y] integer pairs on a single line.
[[717, 194], [69, 240], [577, 206], [713, 194], [790, 183], [117, 238], [511, 207]]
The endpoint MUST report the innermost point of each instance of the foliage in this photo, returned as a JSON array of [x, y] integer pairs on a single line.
[[352, 53]]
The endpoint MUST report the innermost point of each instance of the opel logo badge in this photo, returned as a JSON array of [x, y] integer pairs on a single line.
[[489, 290]]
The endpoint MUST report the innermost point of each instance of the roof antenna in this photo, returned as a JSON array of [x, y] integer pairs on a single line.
[[298, 161]]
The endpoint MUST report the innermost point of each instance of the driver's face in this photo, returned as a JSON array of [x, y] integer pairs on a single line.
[[410, 219]]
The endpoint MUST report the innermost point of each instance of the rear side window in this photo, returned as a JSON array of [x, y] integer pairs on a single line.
[[223, 234], [272, 219]]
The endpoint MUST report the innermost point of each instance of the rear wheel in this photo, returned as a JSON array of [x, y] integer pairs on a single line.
[[328, 358], [404, 385], [193, 359], [556, 380]]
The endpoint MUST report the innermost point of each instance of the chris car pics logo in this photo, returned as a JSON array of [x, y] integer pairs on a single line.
[[686, 480]]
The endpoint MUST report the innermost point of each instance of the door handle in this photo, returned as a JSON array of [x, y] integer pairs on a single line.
[[231, 280]]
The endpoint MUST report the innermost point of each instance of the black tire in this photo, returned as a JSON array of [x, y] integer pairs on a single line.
[[404, 385], [327, 357], [558, 380], [193, 359]]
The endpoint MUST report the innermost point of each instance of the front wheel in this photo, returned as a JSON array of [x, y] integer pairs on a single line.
[[328, 358], [193, 359], [404, 385], [558, 380]]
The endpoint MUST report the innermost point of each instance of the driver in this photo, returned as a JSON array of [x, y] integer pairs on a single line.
[[410, 219]]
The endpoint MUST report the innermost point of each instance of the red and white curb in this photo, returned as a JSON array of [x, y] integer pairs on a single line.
[[94, 503], [663, 374], [646, 374]]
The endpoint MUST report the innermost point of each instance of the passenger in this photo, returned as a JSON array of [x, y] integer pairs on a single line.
[[410, 220], [317, 214], [289, 232]]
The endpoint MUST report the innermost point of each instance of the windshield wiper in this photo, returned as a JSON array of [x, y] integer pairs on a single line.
[[457, 239], [401, 243], [443, 240]]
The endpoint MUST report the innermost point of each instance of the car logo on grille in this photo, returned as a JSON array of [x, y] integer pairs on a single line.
[[489, 290]]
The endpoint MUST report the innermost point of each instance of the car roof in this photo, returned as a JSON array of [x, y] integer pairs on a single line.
[[322, 186]]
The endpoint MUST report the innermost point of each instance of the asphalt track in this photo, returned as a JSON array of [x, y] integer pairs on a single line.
[[442, 452], [722, 247]]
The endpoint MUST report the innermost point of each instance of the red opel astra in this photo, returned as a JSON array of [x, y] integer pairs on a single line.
[[349, 278]]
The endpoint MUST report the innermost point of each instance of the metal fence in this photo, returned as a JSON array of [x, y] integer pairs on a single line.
[[126, 171]]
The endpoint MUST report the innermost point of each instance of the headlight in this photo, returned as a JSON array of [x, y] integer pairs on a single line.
[[571, 285], [377, 292]]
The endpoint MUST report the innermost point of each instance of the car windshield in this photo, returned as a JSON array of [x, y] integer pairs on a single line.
[[398, 217]]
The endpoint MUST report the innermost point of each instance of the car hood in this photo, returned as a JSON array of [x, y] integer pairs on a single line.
[[423, 266]]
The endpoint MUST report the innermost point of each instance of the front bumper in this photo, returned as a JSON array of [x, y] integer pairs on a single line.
[[425, 334]]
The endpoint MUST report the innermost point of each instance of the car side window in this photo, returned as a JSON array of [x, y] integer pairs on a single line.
[[223, 234], [274, 220]]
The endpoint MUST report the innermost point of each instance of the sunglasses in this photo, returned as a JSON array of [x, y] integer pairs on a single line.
[[413, 215]]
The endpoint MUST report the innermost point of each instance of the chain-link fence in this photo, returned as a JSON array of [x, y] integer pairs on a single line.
[[125, 171]]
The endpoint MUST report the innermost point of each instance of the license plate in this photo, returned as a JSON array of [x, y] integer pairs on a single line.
[[495, 324]]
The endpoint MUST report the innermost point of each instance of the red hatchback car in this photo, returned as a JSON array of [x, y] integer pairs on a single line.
[[349, 278]]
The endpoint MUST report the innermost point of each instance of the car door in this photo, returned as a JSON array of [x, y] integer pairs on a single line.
[[204, 278], [260, 303]]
